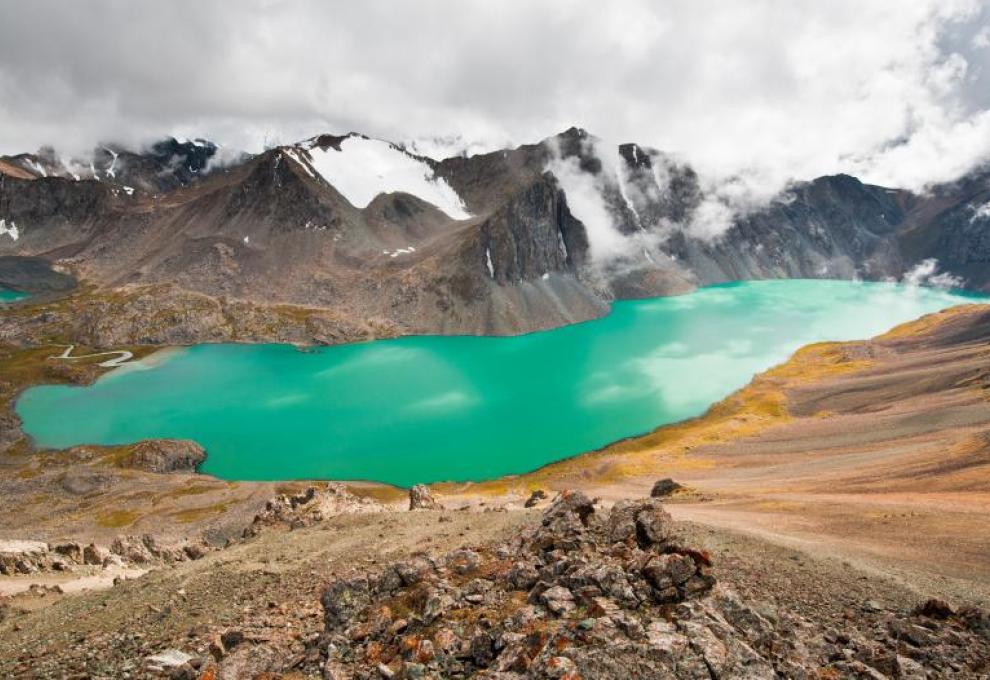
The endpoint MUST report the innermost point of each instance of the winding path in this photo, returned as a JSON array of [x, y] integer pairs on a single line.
[[123, 356]]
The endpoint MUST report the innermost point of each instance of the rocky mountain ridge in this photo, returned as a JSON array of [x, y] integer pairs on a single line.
[[506, 242]]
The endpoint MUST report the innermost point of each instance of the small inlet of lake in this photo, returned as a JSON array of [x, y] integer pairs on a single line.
[[10, 295], [423, 409]]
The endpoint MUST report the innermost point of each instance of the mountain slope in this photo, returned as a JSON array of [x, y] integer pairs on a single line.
[[505, 242]]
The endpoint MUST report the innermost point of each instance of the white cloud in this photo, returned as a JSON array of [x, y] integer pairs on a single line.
[[586, 201], [926, 273], [765, 91]]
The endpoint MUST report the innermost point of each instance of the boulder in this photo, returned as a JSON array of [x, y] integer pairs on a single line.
[[934, 608], [535, 498], [70, 550], [166, 455], [421, 498], [644, 522], [94, 554], [569, 502], [664, 488]]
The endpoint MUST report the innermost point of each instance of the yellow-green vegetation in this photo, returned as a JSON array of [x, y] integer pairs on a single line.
[[21, 368], [929, 322], [116, 519], [383, 493], [751, 410], [182, 491], [197, 514]]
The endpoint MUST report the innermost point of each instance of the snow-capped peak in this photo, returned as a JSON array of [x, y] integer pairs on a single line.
[[361, 168]]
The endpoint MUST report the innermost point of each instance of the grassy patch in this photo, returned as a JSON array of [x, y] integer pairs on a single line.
[[928, 322], [115, 519], [197, 514], [182, 491]]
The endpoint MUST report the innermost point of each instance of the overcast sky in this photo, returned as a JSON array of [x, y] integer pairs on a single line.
[[896, 91]]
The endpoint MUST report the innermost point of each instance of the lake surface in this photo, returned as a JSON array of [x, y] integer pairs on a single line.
[[10, 295], [421, 409]]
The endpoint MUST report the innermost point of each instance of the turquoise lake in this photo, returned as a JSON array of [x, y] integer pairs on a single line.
[[421, 409], [10, 295]]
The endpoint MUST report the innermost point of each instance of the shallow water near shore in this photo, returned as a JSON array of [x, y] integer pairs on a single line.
[[10, 295], [430, 408]]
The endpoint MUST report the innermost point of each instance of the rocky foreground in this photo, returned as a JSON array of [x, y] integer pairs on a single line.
[[583, 592]]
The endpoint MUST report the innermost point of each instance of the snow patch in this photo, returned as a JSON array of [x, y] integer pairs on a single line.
[[247, 240], [110, 171], [37, 167], [68, 169], [291, 153], [488, 260], [980, 213], [128, 190], [365, 168], [399, 251], [10, 231]]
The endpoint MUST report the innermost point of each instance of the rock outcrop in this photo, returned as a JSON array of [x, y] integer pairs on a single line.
[[421, 498], [599, 595], [309, 507], [166, 455], [38, 557]]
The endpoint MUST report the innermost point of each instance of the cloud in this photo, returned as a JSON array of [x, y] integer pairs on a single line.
[[444, 403], [586, 200], [767, 91], [926, 273]]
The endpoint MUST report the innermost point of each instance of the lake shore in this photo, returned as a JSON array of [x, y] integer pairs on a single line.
[[751, 462]]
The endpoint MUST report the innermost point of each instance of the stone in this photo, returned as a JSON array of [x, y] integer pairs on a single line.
[[872, 606], [463, 561], [644, 522], [72, 551], [523, 576], [664, 488], [535, 498], [342, 600], [569, 503], [166, 455], [94, 554], [934, 608], [558, 600], [248, 661], [421, 498], [194, 551], [482, 650], [169, 658], [231, 639]]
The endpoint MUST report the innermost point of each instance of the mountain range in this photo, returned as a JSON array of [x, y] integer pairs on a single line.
[[505, 242]]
